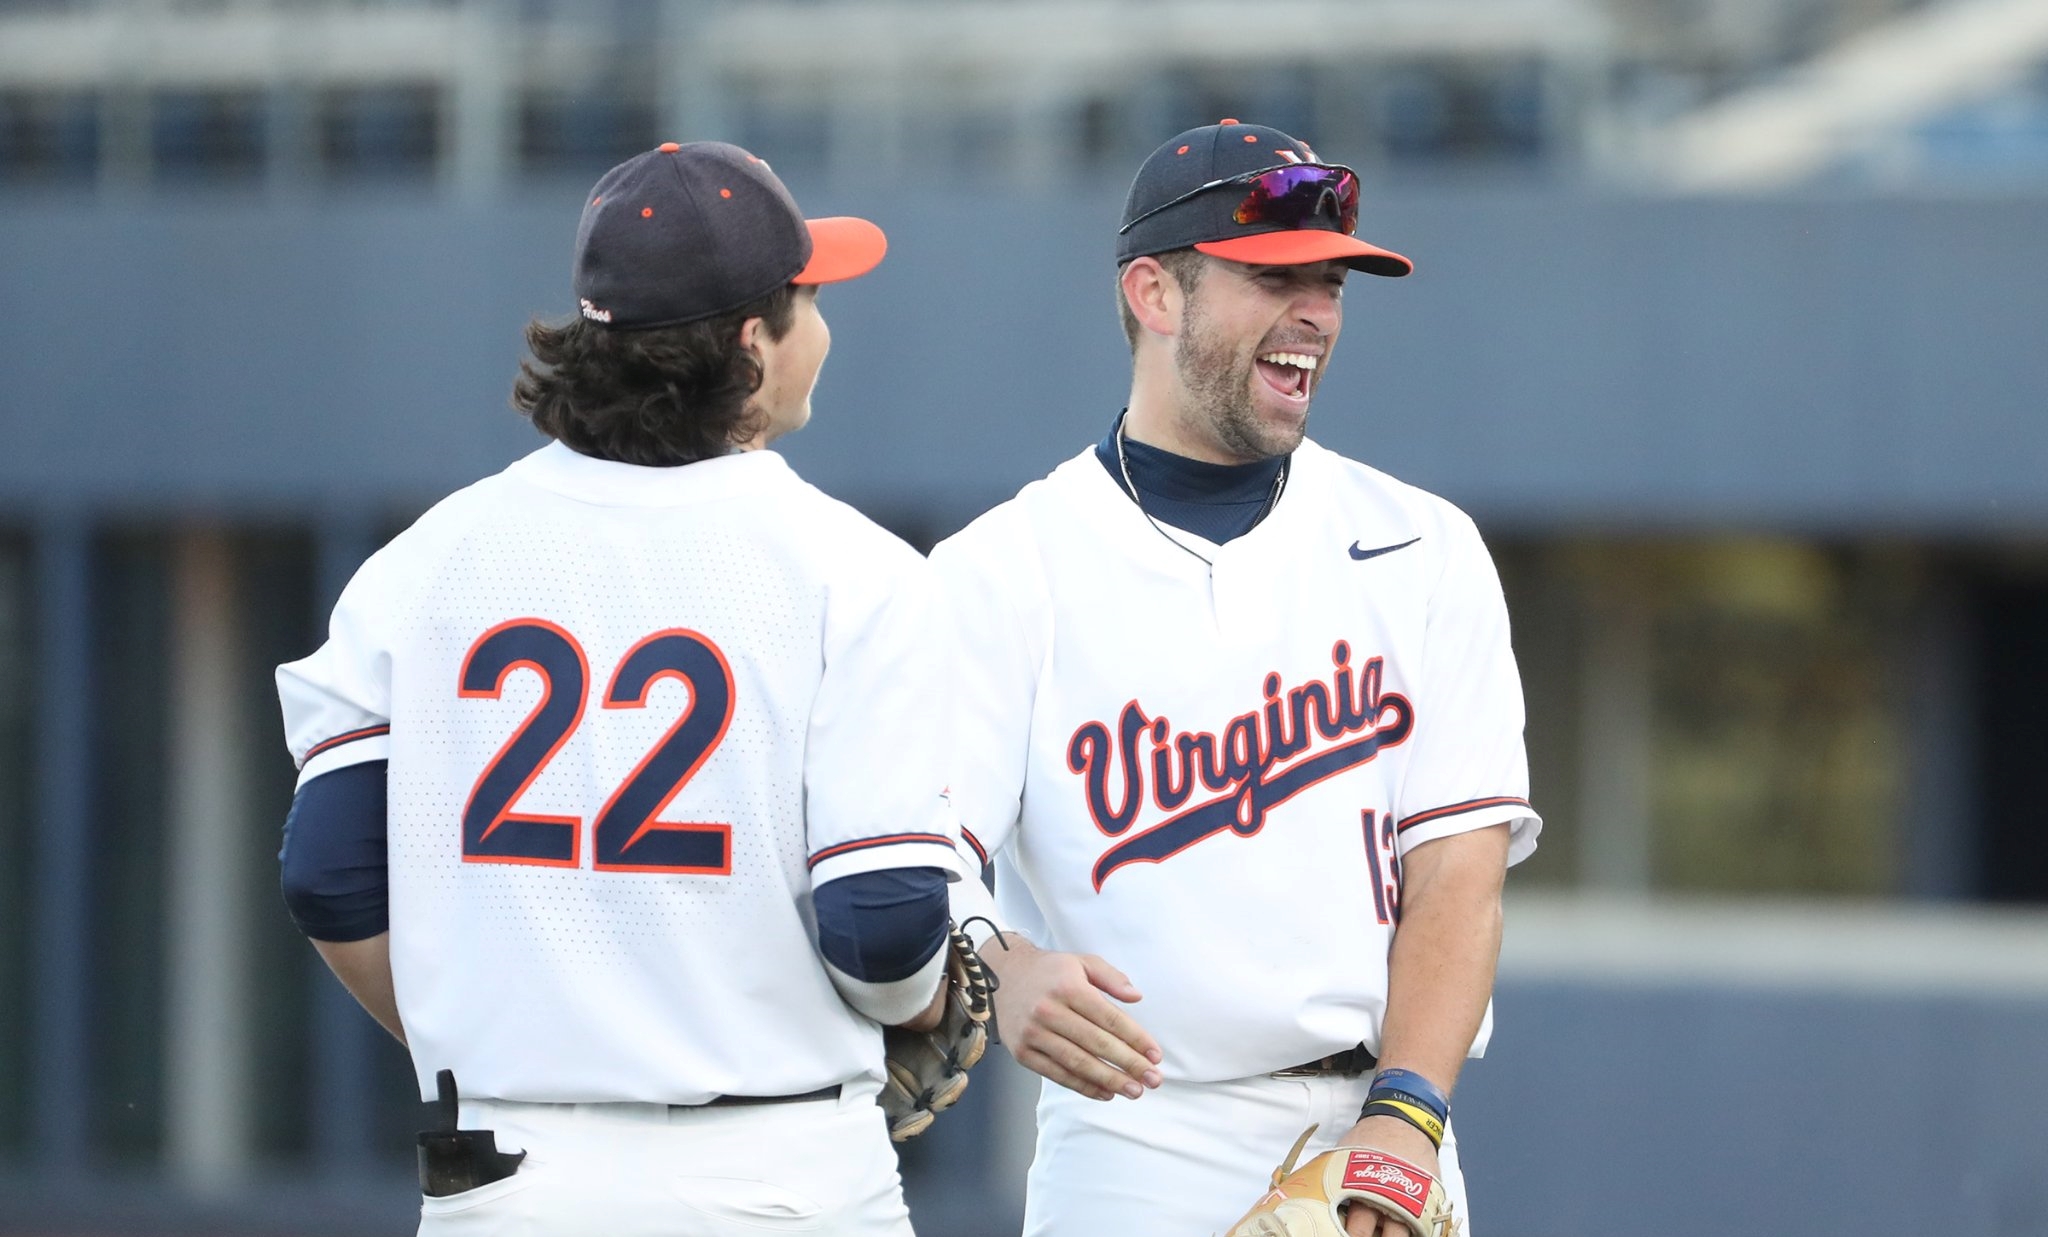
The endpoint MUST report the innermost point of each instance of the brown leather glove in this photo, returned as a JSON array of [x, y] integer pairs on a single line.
[[927, 1070], [1309, 1201]]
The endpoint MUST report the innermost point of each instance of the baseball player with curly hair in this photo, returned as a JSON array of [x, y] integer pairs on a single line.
[[1242, 736], [589, 812]]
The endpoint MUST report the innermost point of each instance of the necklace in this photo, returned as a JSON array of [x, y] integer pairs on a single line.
[[1123, 463]]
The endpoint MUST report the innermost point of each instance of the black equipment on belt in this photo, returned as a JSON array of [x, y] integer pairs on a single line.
[[1350, 1063], [454, 1160]]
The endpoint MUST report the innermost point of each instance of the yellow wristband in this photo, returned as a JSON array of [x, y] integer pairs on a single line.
[[1414, 1114]]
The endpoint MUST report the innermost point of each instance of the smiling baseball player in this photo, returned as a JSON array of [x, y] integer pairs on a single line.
[[621, 795], [1240, 718]]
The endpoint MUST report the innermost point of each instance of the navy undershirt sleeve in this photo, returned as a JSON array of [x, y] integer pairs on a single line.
[[1220, 502], [882, 926], [333, 870]]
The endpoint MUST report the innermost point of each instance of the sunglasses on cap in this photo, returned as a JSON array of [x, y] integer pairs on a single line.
[[1289, 196]]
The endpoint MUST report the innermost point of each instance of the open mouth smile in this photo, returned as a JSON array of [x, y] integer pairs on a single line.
[[1288, 373]]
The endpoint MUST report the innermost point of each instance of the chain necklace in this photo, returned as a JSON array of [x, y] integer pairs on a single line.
[[1123, 463]]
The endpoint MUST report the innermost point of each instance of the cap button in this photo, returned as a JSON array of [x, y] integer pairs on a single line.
[[1228, 120], [668, 148]]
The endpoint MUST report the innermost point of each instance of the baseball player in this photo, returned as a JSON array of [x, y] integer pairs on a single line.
[[621, 798], [1242, 736]]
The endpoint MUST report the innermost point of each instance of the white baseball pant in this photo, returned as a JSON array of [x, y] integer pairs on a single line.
[[647, 1170], [1188, 1159]]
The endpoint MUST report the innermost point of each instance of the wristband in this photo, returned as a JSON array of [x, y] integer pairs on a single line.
[[1414, 1114], [1413, 1086]]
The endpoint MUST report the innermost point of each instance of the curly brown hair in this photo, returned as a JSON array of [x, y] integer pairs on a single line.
[[661, 396]]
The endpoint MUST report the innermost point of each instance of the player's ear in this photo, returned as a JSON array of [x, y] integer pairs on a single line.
[[750, 334], [1154, 296]]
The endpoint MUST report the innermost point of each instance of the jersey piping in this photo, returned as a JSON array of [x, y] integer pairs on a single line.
[[327, 745], [1459, 809], [894, 839]]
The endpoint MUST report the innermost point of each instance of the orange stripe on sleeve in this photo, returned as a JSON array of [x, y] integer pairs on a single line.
[[1457, 809], [893, 839], [367, 732]]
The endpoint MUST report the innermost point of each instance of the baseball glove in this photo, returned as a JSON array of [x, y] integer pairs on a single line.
[[1309, 1201], [927, 1070]]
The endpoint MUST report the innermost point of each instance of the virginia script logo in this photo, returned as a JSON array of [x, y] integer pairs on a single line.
[[1261, 761]]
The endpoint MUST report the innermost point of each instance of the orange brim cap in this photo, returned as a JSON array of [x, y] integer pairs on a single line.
[[1292, 248], [842, 247]]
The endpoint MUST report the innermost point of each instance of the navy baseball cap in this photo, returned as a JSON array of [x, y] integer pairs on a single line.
[[1248, 193], [690, 230]]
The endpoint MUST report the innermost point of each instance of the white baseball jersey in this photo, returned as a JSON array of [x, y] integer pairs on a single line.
[[1209, 775], [632, 716]]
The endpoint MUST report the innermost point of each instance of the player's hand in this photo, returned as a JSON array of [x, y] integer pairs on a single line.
[[1055, 1013], [1395, 1137]]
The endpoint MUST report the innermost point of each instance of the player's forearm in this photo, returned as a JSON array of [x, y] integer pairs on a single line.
[[907, 1001], [364, 968], [882, 935], [1440, 972]]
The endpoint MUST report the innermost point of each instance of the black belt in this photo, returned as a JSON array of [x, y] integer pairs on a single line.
[[1350, 1063], [731, 1101], [452, 1161]]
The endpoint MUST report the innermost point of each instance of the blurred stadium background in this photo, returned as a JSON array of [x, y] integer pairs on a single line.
[[1730, 326]]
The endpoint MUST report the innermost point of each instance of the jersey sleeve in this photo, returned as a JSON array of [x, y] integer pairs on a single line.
[[1468, 769], [876, 751], [997, 598], [337, 702]]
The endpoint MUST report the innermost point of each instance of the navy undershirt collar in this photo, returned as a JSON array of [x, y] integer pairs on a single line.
[[1220, 502]]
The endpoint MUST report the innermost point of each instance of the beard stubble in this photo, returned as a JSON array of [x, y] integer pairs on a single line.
[[1218, 382]]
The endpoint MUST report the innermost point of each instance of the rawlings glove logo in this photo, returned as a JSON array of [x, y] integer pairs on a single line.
[[1383, 1176], [1366, 1172]]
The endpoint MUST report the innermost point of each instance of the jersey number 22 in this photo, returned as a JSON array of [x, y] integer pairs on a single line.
[[628, 834]]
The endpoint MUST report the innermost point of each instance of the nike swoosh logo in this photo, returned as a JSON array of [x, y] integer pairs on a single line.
[[1362, 555]]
